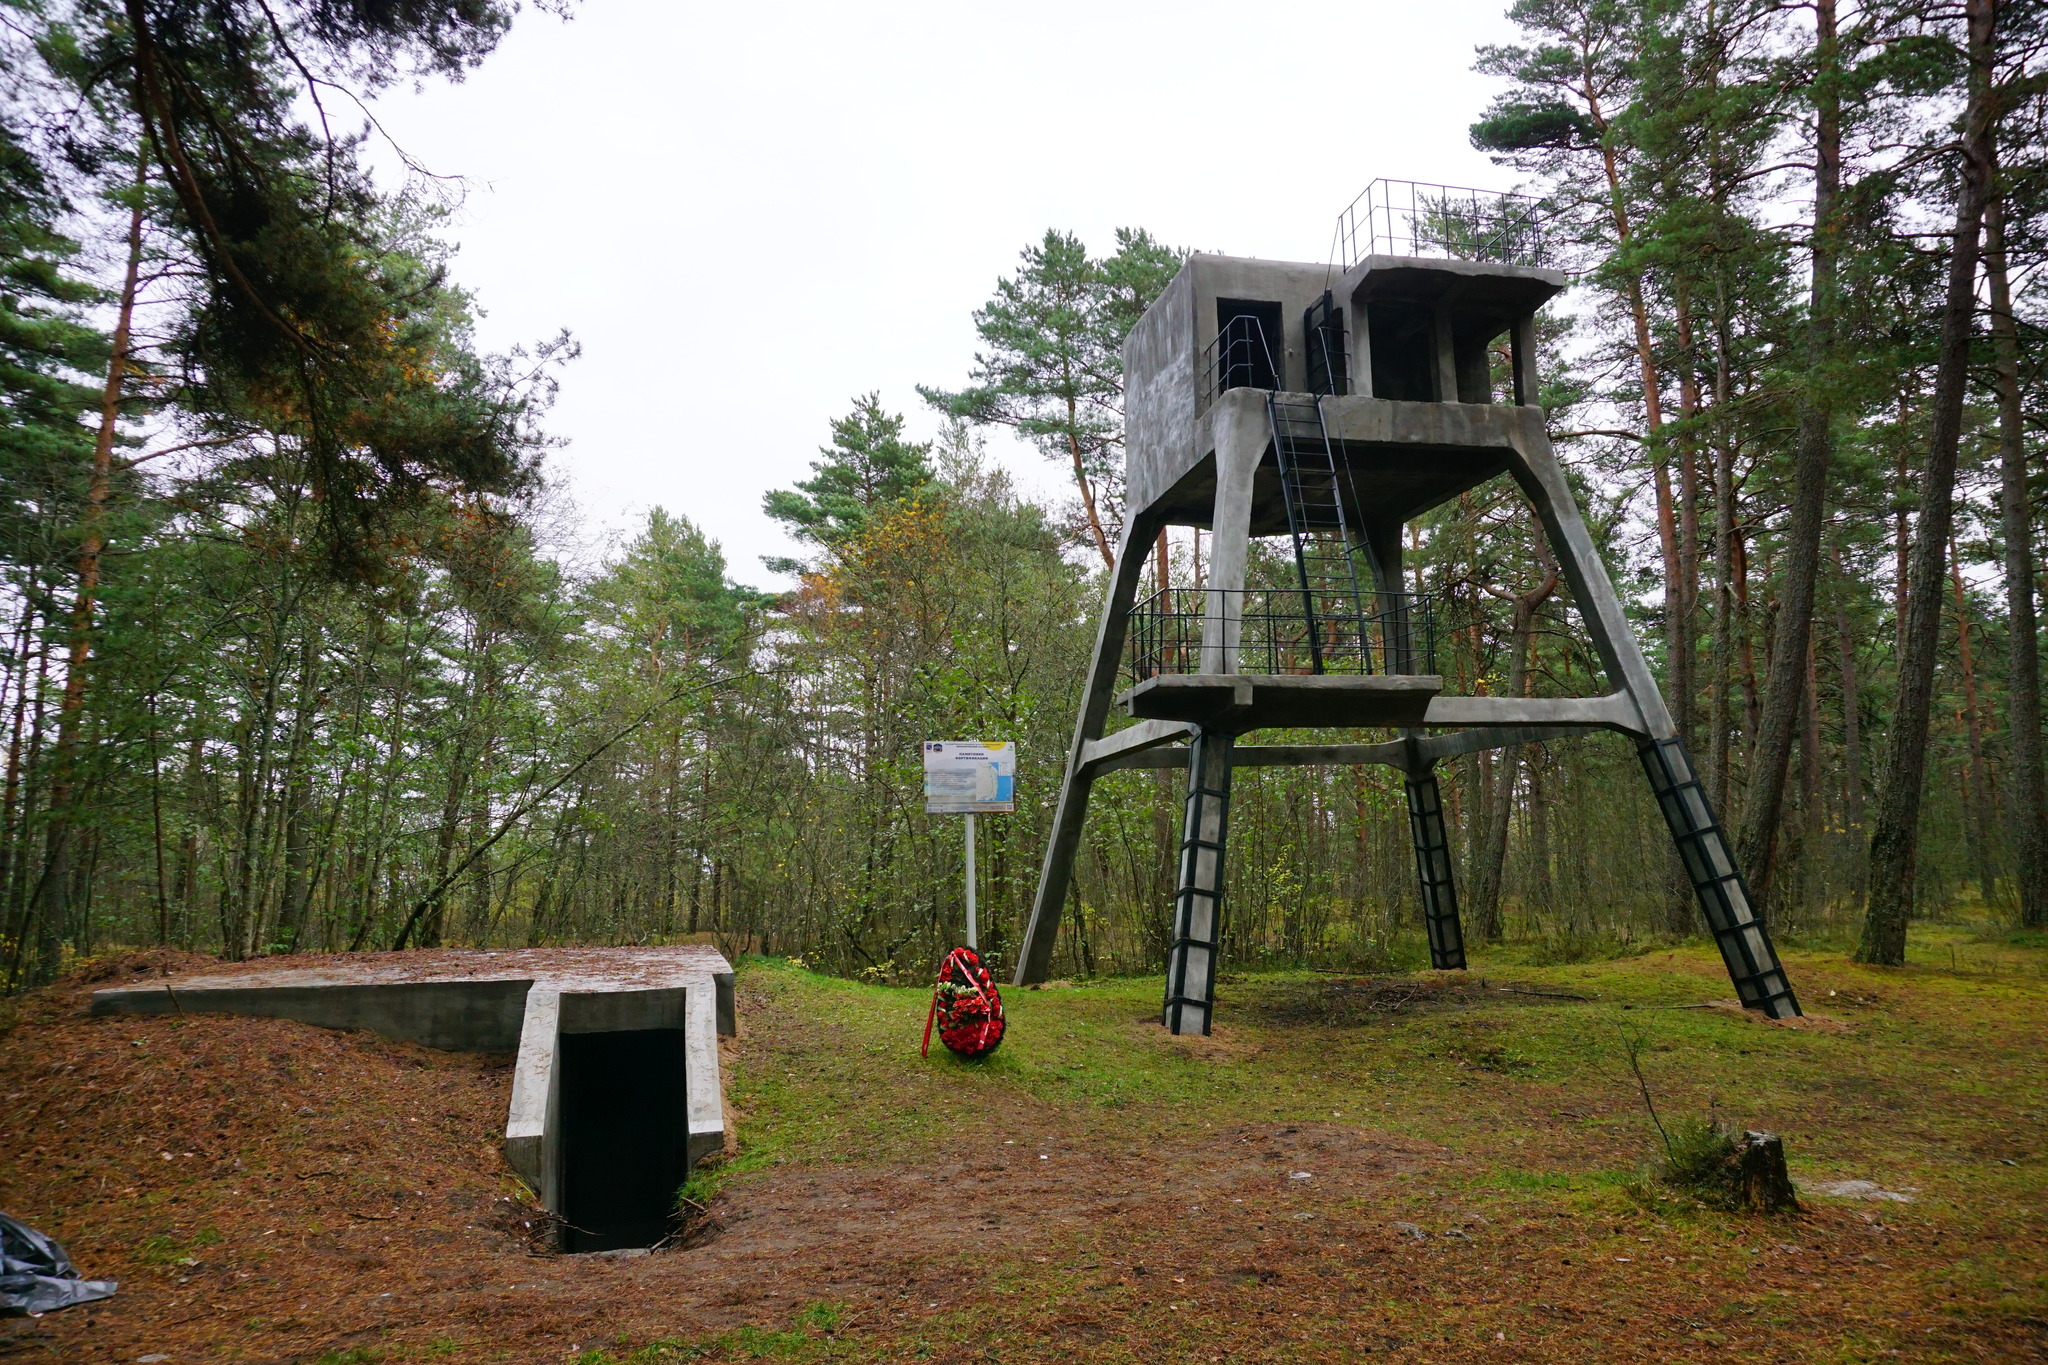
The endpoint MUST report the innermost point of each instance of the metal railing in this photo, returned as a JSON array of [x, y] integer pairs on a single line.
[[1377, 632], [1404, 218], [1239, 357]]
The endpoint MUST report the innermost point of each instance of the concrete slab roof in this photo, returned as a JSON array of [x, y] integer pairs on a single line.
[[564, 969]]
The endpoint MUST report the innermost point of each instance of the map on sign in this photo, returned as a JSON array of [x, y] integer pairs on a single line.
[[969, 777]]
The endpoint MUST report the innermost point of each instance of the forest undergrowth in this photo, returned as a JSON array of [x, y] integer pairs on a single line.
[[1403, 1166]]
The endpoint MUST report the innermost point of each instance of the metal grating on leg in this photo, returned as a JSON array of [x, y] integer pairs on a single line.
[[1198, 903], [1744, 942], [1433, 867]]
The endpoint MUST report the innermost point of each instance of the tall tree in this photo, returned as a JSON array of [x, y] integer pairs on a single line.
[[1895, 836], [867, 469], [1053, 367], [1799, 554], [2023, 660]]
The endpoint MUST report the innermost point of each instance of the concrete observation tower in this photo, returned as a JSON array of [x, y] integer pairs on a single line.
[[1331, 405]]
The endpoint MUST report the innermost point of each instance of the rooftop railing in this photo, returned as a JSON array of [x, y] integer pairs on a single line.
[[1404, 218], [1375, 632]]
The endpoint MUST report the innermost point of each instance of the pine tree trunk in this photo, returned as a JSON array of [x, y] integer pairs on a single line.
[[1812, 827], [1720, 718], [1678, 894], [52, 898], [2023, 659], [1852, 721], [12, 837], [1980, 807], [1756, 845], [1894, 843]]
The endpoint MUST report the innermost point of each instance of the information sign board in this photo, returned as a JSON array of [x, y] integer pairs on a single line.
[[969, 777]]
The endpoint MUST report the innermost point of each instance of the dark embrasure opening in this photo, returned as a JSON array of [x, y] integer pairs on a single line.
[[625, 1136]]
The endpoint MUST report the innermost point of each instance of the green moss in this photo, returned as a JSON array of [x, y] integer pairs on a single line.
[[808, 1338], [165, 1249]]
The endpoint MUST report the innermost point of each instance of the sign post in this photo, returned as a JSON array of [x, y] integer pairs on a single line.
[[969, 777]]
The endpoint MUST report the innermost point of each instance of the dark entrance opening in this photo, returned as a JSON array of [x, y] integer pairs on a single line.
[[1249, 347], [625, 1136], [1403, 350]]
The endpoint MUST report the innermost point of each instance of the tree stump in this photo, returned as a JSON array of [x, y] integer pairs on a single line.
[[1762, 1183]]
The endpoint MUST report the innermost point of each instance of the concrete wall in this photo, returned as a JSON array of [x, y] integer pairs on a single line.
[[533, 1122], [1163, 438], [1159, 392], [1168, 448], [455, 1016], [727, 1011], [707, 1102]]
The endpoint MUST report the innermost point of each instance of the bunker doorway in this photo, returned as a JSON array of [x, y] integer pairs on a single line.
[[1250, 341], [625, 1136]]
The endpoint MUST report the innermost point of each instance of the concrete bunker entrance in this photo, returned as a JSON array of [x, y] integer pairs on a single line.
[[615, 1091], [625, 1136]]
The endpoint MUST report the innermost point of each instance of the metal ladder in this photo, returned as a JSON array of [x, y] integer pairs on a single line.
[[1433, 866], [1198, 897], [1314, 488], [1744, 942]]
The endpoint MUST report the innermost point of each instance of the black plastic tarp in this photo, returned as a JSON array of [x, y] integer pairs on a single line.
[[37, 1277]]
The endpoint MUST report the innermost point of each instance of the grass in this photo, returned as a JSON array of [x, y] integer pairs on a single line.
[[1929, 1082], [1943, 1038], [166, 1250]]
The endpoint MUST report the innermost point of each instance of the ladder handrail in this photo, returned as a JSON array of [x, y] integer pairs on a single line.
[[1292, 491]]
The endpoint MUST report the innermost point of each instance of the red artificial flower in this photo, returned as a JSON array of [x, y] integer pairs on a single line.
[[965, 1007]]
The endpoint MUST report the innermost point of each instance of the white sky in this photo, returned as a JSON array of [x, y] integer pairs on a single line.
[[750, 213]]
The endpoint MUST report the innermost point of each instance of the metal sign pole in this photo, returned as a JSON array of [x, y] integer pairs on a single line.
[[971, 941], [969, 777]]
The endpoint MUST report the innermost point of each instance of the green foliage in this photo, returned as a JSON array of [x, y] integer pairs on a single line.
[[313, 314], [1053, 364], [1514, 125], [1701, 1161], [46, 346], [868, 469]]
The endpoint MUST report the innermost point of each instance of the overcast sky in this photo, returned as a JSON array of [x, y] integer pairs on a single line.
[[750, 213]]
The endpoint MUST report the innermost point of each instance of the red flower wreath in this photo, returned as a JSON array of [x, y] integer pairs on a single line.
[[965, 1006]]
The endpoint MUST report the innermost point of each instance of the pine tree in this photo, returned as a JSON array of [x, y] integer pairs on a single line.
[[1053, 367], [868, 467]]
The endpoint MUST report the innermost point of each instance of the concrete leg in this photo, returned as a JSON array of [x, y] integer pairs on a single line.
[[1433, 869], [1198, 903], [1243, 433], [1034, 956], [1745, 946]]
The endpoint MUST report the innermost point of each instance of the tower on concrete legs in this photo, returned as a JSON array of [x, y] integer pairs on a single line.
[[1331, 405]]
